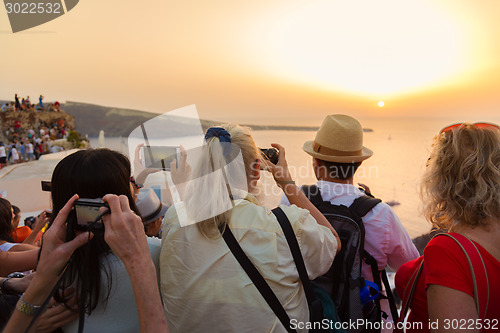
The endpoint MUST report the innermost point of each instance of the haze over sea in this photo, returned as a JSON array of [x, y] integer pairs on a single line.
[[401, 148]]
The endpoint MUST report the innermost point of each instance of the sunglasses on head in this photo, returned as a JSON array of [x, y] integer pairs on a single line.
[[476, 125]]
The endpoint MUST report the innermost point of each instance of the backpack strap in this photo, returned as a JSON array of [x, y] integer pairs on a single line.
[[256, 278], [362, 205], [312, 193], [316, 308], [390, 296]]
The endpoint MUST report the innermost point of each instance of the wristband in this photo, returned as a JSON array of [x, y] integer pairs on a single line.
[[285, 181], [27, 308], [3, 287]]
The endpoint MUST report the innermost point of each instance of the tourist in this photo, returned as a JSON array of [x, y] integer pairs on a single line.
[[337, 152], [461, 194], [122, 226], [3, 156], [200, 277], [97, 274], [17, 104], [152, 211]]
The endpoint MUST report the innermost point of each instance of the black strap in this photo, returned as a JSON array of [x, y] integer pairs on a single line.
[[316, 308], [312, 193], [256, 278], [362, 205], [390, 296], [295, 249]]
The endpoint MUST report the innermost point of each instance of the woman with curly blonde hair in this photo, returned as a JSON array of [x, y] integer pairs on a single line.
[[461, 192]]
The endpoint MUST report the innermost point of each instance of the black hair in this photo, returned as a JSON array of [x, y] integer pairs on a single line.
[[340, 171], [6, 227], [91, 174], [16, 211]]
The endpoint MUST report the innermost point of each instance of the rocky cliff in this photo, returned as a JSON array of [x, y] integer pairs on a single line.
[[27, 119]]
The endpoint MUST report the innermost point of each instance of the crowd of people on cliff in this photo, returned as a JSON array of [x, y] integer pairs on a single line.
[[25, 104], [25, 146], [140, 264]]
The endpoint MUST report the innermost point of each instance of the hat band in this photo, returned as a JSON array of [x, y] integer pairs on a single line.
[[153, 214], [333, 152]]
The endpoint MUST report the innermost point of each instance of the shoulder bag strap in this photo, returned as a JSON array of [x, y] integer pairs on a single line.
[[479, 276], [256, 278], [315, 306], [408, 294], [295, 249]]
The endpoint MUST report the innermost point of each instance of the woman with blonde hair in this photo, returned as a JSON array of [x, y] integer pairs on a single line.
[[204, 288], [461, 190]]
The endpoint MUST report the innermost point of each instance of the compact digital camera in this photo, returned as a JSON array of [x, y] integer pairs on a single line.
[[87, 212], [271, 154]]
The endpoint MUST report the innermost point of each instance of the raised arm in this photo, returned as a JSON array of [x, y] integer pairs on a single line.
[[54, 255], [124, 233], [293, 193]]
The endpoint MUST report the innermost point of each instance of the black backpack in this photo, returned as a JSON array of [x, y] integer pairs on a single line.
[[343, 281]]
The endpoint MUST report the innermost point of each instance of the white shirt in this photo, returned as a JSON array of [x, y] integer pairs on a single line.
[[2, 151], [204, 288], [15, 154]]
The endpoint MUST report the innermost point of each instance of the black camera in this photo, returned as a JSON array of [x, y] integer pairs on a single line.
[[88, 215], [29, 221], [270, 154]]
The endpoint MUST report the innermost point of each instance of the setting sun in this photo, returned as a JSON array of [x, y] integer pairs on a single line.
[[381, 103]]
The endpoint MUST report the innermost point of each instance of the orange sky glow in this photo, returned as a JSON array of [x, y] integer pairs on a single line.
[[277, 61]]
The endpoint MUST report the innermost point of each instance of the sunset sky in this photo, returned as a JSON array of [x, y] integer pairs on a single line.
[[273, 61]]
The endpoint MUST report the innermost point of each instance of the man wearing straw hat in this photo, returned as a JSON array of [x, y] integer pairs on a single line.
[[337, 152]]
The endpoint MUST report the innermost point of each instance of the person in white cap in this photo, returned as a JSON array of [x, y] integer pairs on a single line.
[[152, 211], [337, 152]]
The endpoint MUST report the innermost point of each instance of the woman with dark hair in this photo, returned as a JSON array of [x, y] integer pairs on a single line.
[[7, 229], [98, 276]]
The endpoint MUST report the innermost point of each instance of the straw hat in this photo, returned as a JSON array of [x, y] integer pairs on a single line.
[[339, 139], [149, 206]]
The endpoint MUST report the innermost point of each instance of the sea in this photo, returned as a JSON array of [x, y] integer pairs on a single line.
[[401, 148]]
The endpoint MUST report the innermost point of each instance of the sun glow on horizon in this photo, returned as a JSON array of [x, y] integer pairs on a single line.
[[386, 47]]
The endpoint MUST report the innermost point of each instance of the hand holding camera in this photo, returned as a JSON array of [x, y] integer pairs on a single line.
[[56, 251], [279, 170], [123, 231]]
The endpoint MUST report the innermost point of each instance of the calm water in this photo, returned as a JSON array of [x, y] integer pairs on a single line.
[[401, 148]]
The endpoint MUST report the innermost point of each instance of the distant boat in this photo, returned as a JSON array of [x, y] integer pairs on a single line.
[[389, 138], [393, 202]]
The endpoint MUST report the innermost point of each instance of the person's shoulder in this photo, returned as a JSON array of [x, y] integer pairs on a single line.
[[154, 244], [294, 213], [443, 245]]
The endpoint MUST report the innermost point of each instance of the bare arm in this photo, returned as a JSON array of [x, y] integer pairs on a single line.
[[446, 304], [124, 233], [55, 253], [40, 222], [17, 261], [293, 193]]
